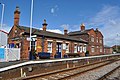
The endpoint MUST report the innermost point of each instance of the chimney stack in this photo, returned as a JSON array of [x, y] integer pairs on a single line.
[[96, 29], [44, 25], [65, 32], [82, 27], [16, 16]]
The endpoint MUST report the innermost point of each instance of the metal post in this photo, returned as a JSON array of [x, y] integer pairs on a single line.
[[116, 44], [31, 22], [2, 22]]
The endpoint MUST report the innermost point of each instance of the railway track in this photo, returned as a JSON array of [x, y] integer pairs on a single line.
[[65, 74], [104, 77]]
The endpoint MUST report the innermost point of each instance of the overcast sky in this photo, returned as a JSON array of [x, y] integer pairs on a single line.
[[60, 14]]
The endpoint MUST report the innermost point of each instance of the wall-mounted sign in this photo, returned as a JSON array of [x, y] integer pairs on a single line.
[[64, 46]]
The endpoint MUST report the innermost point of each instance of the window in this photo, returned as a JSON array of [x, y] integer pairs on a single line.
[[59, 47], [92, 39], [100, 49], [33, 45], [67, 48], [84, 49], [80, 48], [92, 49], [97, 40], [97, 48], [100, 40], [50, 47], [75, 48]]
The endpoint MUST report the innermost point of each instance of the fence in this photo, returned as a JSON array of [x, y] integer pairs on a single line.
[[9, 54]]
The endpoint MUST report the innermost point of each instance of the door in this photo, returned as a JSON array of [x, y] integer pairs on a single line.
[[58, 50]]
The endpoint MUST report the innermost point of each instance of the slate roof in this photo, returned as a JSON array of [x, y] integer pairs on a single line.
[[79, 32], [50, 34]]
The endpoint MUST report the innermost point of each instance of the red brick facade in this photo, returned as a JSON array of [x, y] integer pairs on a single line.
[[94, 38], [44, 41], [108, 50]]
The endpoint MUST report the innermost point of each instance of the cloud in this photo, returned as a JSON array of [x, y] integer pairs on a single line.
[[54, 30], [108, 21], [65, 26], [54, 10]]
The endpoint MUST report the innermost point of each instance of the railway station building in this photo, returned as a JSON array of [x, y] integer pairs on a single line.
[[93, 37], [44, 41]]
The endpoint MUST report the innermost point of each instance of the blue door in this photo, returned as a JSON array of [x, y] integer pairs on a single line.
[[58, 50]]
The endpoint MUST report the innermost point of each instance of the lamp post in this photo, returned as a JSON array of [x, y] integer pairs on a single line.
[[31, 22], [1, 22]]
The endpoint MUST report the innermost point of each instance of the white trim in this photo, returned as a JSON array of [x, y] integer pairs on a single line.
[[80, 43], [75, 43], [47, 61], [67, 42], [59, 41], [49, 46], [49, 40]]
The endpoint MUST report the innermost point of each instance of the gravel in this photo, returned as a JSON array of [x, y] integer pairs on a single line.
[[95, 74], [114, 76]]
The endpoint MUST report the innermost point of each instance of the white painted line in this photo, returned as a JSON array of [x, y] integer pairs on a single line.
[[48, 61]]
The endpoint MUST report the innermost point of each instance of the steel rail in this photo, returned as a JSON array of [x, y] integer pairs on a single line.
[[109, 73], [65, 70]]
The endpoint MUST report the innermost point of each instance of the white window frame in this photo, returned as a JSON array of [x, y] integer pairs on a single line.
[[78, 48], [92, 49], [75, 48], [97, 40], [97, 48], [84, 48], [100, 49], [100, 40], [64, 46], [81, 48], [34, 44], [92, 39], [67, 47], [49, 48]]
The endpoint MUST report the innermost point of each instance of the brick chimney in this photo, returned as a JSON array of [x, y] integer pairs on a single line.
[[44, 25], [82, 27], [65, 32], [16, 16], [96, 29]]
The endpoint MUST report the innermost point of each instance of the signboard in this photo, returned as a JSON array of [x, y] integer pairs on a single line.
[[2, 53], [32, 39]]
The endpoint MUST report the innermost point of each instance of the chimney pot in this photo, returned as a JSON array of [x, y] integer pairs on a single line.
[[44, 25], [65, 32], [82, 27], [16, 16]]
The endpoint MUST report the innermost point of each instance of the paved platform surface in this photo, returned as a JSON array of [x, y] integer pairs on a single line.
[[5, 64]]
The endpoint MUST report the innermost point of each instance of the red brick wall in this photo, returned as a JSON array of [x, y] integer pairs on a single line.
[[25, 49], [63, 51], [108, 50], [53, 47], [25, 44], [88, 36], [45, 45]]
